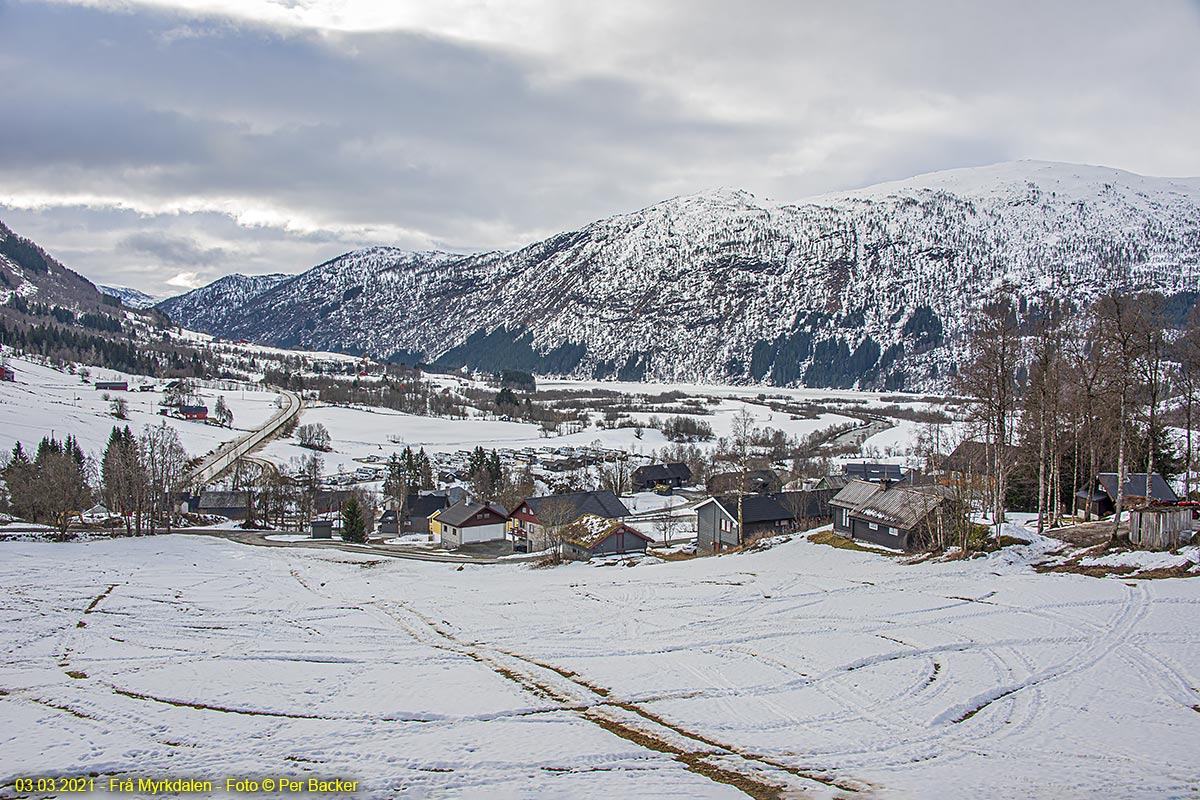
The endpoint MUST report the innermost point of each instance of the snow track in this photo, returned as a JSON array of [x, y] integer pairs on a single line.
[[804, 669]]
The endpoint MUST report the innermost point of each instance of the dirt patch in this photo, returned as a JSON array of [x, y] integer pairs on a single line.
[[98, 599], [1073, 564], [76, 674]]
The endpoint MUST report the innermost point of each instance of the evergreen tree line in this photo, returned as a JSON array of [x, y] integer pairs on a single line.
[[136, 480]]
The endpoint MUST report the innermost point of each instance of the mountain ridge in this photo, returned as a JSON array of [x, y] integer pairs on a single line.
[[868, 288]]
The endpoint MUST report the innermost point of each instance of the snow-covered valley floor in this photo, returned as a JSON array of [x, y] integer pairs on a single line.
[[833, 672]]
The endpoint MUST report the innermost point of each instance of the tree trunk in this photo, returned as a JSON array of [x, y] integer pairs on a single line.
[[1120, 501]]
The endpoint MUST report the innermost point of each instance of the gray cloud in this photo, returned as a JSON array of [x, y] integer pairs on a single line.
[[171, 249], [141, 140]]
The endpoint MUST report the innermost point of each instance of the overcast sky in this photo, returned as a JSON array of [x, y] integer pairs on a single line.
[[162, 144]]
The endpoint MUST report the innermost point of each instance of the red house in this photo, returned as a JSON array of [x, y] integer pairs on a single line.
[[6, 373]]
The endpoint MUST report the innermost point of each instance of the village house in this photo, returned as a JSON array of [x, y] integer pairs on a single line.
[[467, 523], [674, 475], [868, 471], [231, 505], [833, 483], [1101, 493], [531, 522], [7, 373], [591, 535], [758, 481], [762, 515], [418, 508], [898, 517], [112, 386]]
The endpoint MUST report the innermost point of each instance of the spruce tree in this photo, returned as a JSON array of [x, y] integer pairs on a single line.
[[354, 527]]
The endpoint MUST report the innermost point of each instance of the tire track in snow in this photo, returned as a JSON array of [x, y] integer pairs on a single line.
[[755, 775]]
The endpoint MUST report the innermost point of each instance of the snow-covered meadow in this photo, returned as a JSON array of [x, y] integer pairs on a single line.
[[832, 672], [44, 401]]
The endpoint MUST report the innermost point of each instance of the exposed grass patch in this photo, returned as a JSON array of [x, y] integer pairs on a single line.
[[842, 543], [76, 674], [676, 555]]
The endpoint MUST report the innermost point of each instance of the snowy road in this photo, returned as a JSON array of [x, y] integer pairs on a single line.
[[831, 672]]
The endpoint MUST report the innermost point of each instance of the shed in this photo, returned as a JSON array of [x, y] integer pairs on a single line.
[[591, 535], [112, 386], [1160, 527], [322, 529]]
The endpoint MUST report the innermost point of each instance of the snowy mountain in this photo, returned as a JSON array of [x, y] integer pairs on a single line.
[[28, 274], [213, 307], [129, 297], [871, 288]]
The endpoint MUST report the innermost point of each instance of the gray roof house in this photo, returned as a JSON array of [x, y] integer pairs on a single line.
[[894, 516], [224, 504], [673, 475], [1103, 490], [762, 515], [867, 471]]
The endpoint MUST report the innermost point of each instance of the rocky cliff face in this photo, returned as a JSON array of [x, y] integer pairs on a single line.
[[872, 288]]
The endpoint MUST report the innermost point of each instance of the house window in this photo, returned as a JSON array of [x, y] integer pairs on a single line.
[[891, 531], [873, 526], [845, 518]]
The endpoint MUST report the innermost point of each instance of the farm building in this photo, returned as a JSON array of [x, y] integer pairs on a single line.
[[591, 535], [112, 386], [1101, 493], [193, 412], [898, 517], [652, 475], [467, 523], [7, 373], [528, 521], [762, 515]]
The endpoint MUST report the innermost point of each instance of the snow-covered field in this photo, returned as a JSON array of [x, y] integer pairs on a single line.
[[358, 432], [44, 401], [833, 672]]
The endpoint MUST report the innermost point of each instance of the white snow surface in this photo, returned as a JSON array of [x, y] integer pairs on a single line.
[[204, 658], [45, 401]]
